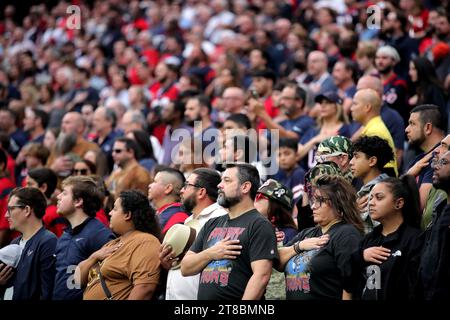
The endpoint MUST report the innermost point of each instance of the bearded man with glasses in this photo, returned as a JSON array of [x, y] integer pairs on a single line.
[[434, 276]]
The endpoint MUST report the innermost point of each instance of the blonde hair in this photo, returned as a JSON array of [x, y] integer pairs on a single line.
[[366, 49], [340, 114]]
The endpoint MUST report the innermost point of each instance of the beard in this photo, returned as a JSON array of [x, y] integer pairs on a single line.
[[190, 122], [442, 183], [228, 202], [189, 204], [386, 70], [417, 142]]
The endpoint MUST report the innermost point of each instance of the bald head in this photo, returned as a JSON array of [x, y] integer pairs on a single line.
[[233, 99], [317, 63], [370, 82], [133, 120], [370, 97], [73, 122], [365, 106]]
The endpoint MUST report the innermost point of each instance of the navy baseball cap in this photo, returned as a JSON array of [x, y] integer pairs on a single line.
[[329, 96]]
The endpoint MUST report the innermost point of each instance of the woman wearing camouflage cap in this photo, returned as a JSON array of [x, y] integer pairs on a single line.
[[274, 201], [316, 261]]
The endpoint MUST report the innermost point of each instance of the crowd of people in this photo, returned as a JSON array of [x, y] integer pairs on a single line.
[[225, 150]]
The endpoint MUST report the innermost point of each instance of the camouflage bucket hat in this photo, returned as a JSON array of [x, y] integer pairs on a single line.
[[278, 192], [329, 168], [336, 144]]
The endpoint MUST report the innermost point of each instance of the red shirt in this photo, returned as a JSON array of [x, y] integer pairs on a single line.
[[101, 216], [53, 221], [271, 111], [6, 186], [10, 167], [176, 217]]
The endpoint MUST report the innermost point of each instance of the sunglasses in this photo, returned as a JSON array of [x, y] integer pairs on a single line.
[[117, 150], [260, 196], [82, 172]]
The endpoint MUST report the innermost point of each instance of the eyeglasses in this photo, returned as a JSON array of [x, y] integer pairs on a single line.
[[117, 150], [318, 200], [439, 163], [187, 184], [325, 157], [82, 172], [11, 208]]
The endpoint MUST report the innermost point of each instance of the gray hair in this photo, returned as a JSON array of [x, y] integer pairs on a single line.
[[391, 52]]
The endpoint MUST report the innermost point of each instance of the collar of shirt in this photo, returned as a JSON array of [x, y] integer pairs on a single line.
[[79, 227], [164, 207]]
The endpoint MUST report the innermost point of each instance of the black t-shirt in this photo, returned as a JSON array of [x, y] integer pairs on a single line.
[[397, 275], [322, 274], [226, 279]]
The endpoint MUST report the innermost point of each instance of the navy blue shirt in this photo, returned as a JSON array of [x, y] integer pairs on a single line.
[[394, 95], [17, 140], [35, 273], [293, 181], [299, 125], [74, 246], [394, 122], [426, 174]]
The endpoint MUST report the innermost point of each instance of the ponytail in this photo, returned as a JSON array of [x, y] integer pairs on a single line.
[[406, 187]]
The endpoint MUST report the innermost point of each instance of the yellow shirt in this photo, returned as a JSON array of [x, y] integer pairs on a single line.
[[376, 127]]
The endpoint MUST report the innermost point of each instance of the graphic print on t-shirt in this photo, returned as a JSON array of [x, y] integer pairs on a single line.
[[218, 271], [298, 273]]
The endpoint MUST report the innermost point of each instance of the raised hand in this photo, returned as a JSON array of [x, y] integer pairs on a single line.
[[225, 249], [165, 256], [314, 243], [105, 252], [376, 254]]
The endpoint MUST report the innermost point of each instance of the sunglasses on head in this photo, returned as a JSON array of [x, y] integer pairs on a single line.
[[260, 196]]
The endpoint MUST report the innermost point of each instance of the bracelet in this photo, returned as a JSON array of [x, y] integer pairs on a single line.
[[297, 248]]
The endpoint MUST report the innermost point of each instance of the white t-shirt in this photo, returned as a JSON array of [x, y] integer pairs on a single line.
[[186, 288], [10, 291]]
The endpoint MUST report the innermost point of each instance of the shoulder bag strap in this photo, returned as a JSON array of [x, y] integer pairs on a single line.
[[103, 283]]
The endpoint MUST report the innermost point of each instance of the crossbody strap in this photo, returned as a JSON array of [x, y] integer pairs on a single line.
[[103, 283]]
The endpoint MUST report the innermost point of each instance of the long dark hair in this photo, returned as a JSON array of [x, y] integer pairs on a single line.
[[426, 77], [142, 214], [142, 139], [342, 197], [279, 215], [406, 187]]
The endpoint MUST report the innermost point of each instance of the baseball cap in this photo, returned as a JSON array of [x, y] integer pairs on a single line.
[[10, 255], [336, 145], [278, 192], [329, 96]]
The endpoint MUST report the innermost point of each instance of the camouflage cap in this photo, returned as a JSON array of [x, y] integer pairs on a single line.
[[336, 144], [278, 192], [329, 168]]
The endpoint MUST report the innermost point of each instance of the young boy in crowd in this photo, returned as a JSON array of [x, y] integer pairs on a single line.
[[370, 155], [290, 173]]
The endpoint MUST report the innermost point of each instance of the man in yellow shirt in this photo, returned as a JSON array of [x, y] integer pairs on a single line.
[[365, 109]]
